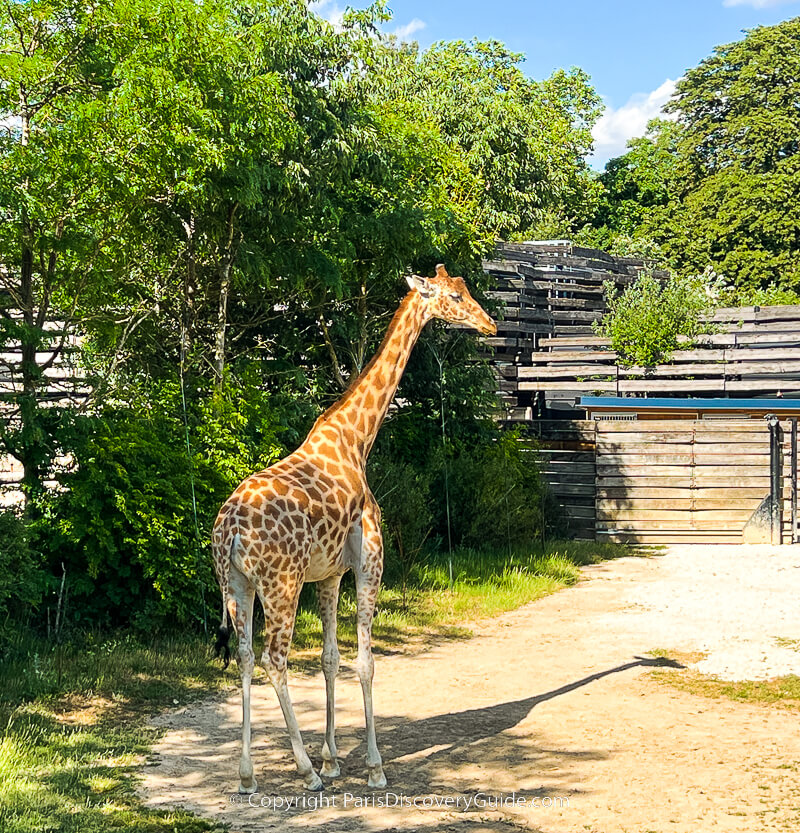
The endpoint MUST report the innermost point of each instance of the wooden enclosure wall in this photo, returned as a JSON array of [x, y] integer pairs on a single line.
[[669, 481], [658, 481], [758, 354]]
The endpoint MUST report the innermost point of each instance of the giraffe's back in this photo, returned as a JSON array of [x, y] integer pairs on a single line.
[[293, 517]]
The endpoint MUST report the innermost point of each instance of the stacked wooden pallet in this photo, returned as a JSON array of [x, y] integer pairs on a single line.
[[546, 290], [758, 354], [564, 454]]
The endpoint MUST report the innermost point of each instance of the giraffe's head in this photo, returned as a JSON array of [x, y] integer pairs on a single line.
[[449, 299]]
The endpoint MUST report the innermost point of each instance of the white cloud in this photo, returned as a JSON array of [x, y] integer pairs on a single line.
[[616, 126], [404, 32], [329, 9], [758, 4]]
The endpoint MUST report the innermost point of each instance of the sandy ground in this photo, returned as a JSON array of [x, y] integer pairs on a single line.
[[550, 709]]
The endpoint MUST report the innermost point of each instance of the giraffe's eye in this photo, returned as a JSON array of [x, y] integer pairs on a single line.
[[457, 297]]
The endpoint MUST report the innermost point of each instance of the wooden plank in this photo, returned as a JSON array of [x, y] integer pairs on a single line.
[[546, 356], [701, 472], [612, 447], [762, 385], [670, 492], [644, 438], [612, 506], [575, 341], [736, 339], [576, 386], [579, 489], [668, 425], [567, 371], [562, 455], [606, 459], [669, 525], [573, 511], [752, 368], [674, 385], [675, 370], [703, 438], [566, 474], [678, 517]]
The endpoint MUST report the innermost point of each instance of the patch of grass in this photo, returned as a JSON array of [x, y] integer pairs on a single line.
[[781, 692], [681, 657], [72, 733]]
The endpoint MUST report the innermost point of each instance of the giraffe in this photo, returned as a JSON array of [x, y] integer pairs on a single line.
[[310, 518]]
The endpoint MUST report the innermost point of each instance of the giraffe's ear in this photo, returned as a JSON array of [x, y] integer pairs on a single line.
[[422, 285]]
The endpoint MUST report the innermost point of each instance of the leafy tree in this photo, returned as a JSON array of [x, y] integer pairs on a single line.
[[718, 188], [637, 189], [523, 141], [739, 159]]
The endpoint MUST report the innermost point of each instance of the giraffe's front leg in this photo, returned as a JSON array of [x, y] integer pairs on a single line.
[[368, 579], [328, 599]]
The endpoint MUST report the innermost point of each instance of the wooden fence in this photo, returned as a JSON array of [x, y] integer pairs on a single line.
[[564, 452], [662, 481]]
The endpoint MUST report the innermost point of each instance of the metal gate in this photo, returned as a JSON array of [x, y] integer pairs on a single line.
[[696, 481]]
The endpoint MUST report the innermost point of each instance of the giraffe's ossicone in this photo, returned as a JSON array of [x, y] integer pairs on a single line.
[[312, 517]]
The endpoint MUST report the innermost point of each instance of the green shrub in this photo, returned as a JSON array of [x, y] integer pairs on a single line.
[[646, 320], [123, 522], [404, 496], [22, 580], [497, 497]]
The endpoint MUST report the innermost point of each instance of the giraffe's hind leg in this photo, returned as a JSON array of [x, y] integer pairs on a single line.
[[328, 598], [280, 608], [240, 607]]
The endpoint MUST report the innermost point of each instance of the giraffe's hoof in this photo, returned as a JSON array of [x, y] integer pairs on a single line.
[[376, 778], [248, 789], [313, 782], [330, 769]]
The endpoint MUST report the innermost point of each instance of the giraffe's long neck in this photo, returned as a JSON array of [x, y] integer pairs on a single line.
[[357, 417]]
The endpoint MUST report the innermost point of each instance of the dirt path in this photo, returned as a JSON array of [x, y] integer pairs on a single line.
[[551, 704]]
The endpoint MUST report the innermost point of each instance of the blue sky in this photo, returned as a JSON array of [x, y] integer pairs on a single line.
[[634, 50]]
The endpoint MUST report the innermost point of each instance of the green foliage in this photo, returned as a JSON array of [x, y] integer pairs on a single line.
[[123, 523], [403, 494], [717, 187], [524, 142], [496, 495], [22, 579], [760, 296], [646, 320]]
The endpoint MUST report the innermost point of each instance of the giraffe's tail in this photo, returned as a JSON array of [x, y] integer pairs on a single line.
[[222, 645]]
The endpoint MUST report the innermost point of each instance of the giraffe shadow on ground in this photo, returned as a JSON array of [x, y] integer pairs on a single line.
[[447, 735], [449, 754]]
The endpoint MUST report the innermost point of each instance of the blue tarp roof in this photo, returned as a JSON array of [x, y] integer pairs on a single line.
[[642, 403]]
